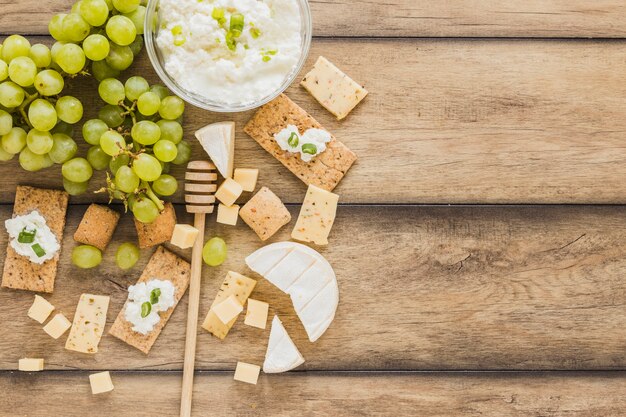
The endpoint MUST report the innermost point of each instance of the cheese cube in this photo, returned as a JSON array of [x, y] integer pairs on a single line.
[[30, 365], [317, 216], [247, 178], [228, 215], [89, 321], [40, 310], [184, 236], [57, 326], [246, 372], [256, 315], [228, 309], [100, 382], [229, 192]]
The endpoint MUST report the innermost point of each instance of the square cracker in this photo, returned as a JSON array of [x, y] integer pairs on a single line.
[[19, 273], [159, 231], [265, 213], [325, 170], [164, 265], [97, 226]]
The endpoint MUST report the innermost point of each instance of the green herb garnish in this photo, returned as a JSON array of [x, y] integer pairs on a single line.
[[218, 14], [255, 33], [236, 24], [146, 308], [309, 148], [177, 30], [231, 43], [27, 236], [38, 250], [293, 140], [266, 58], [154, 295]]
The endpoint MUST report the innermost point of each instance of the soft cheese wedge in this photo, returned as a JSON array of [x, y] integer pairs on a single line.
[[306, 276], [282, 354], [218, 140]]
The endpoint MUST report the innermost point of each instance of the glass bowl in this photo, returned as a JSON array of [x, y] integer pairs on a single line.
[[151, 31]]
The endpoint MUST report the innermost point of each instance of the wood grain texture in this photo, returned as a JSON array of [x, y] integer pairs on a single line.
[[314, 394], [421, 288], [408, 18]]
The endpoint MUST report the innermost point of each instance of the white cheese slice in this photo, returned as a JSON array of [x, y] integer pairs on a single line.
[[305, 288], [262, 261], [218, 140], [319, 309], [282, 354], [287, 271]]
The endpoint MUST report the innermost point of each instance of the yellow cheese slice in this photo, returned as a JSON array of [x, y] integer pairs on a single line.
[[89, 321], [317, 216]]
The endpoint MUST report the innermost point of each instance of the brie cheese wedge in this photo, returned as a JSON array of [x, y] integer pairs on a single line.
[[218, 140], [282, 354], [306, 276]]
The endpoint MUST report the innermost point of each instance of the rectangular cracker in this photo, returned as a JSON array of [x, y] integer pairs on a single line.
[[19, 273], [265, 213], [97, 226], [159, 231], [163, 265], [325, 170]]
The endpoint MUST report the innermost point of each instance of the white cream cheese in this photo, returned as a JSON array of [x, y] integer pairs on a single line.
[[139, 294], [197, 55], [43, 237], [289, 139]]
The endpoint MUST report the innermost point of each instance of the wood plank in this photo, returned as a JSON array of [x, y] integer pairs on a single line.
[[409, 18], [421, 288], [546, 125], [344, 394]]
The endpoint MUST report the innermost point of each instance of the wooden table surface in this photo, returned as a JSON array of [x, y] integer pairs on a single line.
[[479, 247]]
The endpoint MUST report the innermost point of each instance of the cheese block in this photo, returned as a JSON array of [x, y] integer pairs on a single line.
[[256, 314], [88, 326], [228, 309], [30, 365], [306, 276], [40, 310], [184, 236], [57, 326], [317, 216], [100, 383], [282, 354], [247, 178], [229, 192], [228, 215], [235, 284], [218, 140], [247, 372]]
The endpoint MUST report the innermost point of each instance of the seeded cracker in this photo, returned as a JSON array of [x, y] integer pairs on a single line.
[[97, 226], [159, 231], [265, 213]]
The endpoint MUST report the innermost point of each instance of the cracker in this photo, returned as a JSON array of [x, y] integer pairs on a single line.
[[159, 231], [97, 226], [163, 265], [19, 273], [325, 170], [265, 213]]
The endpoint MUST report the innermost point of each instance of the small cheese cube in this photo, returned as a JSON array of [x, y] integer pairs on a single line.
[[228, 309], [256, 315], [317, 216], [30, 365], [100, 382], [184, 236], [247, 373], [40, 310], [229, 192], [228, 215], [247, 178], [57, 326]]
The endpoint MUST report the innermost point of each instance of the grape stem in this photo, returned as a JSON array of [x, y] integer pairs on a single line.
[[29, 99], [152, 196]]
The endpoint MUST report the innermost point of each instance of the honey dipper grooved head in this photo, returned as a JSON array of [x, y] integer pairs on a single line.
[[200, 187]]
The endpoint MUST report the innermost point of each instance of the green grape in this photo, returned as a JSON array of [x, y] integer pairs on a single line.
[[126, 6], [97, 158], [111, 91], [77, 170], [95, 12], [4, 70], [13, 47], [75, 188], [148, 103], [75, 28], [110, 5], [127, 255], [22, 71], [71, 58], [171, 130], [161, 91], [49, 83], [30, 161], [39, 142], [69, 109], [63, 149], [63, 128], [14, 141], [55, 27], [86, 256], [144, 209], [11, 94], [112, 143], [137, 17], [121, 30], [135, 87], [165, 185], [42, 115], [137, 45], [214, 252], [184, 153], [93, 130], [120, 57], [165, 150], [118, 162], [41, 55], [147, 167], [126, 180], [6, 123], [101, 70], [47, 162], [146, 132], [113, 116], [56, 47], [96, 47], [5, 156], [172, 108], [76, 7]]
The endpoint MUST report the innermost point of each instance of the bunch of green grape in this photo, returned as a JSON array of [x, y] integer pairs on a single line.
[[137, 135]]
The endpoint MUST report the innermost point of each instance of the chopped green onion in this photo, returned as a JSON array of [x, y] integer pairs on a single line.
[[293, 140], [179, 41], [177, 30], [38, 250], [146, 308], [154, 295], [266, 58], [218, 14], [271, 52], [255, 33], [27, 236], [230, 41], [236, 24], [309, 148]]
